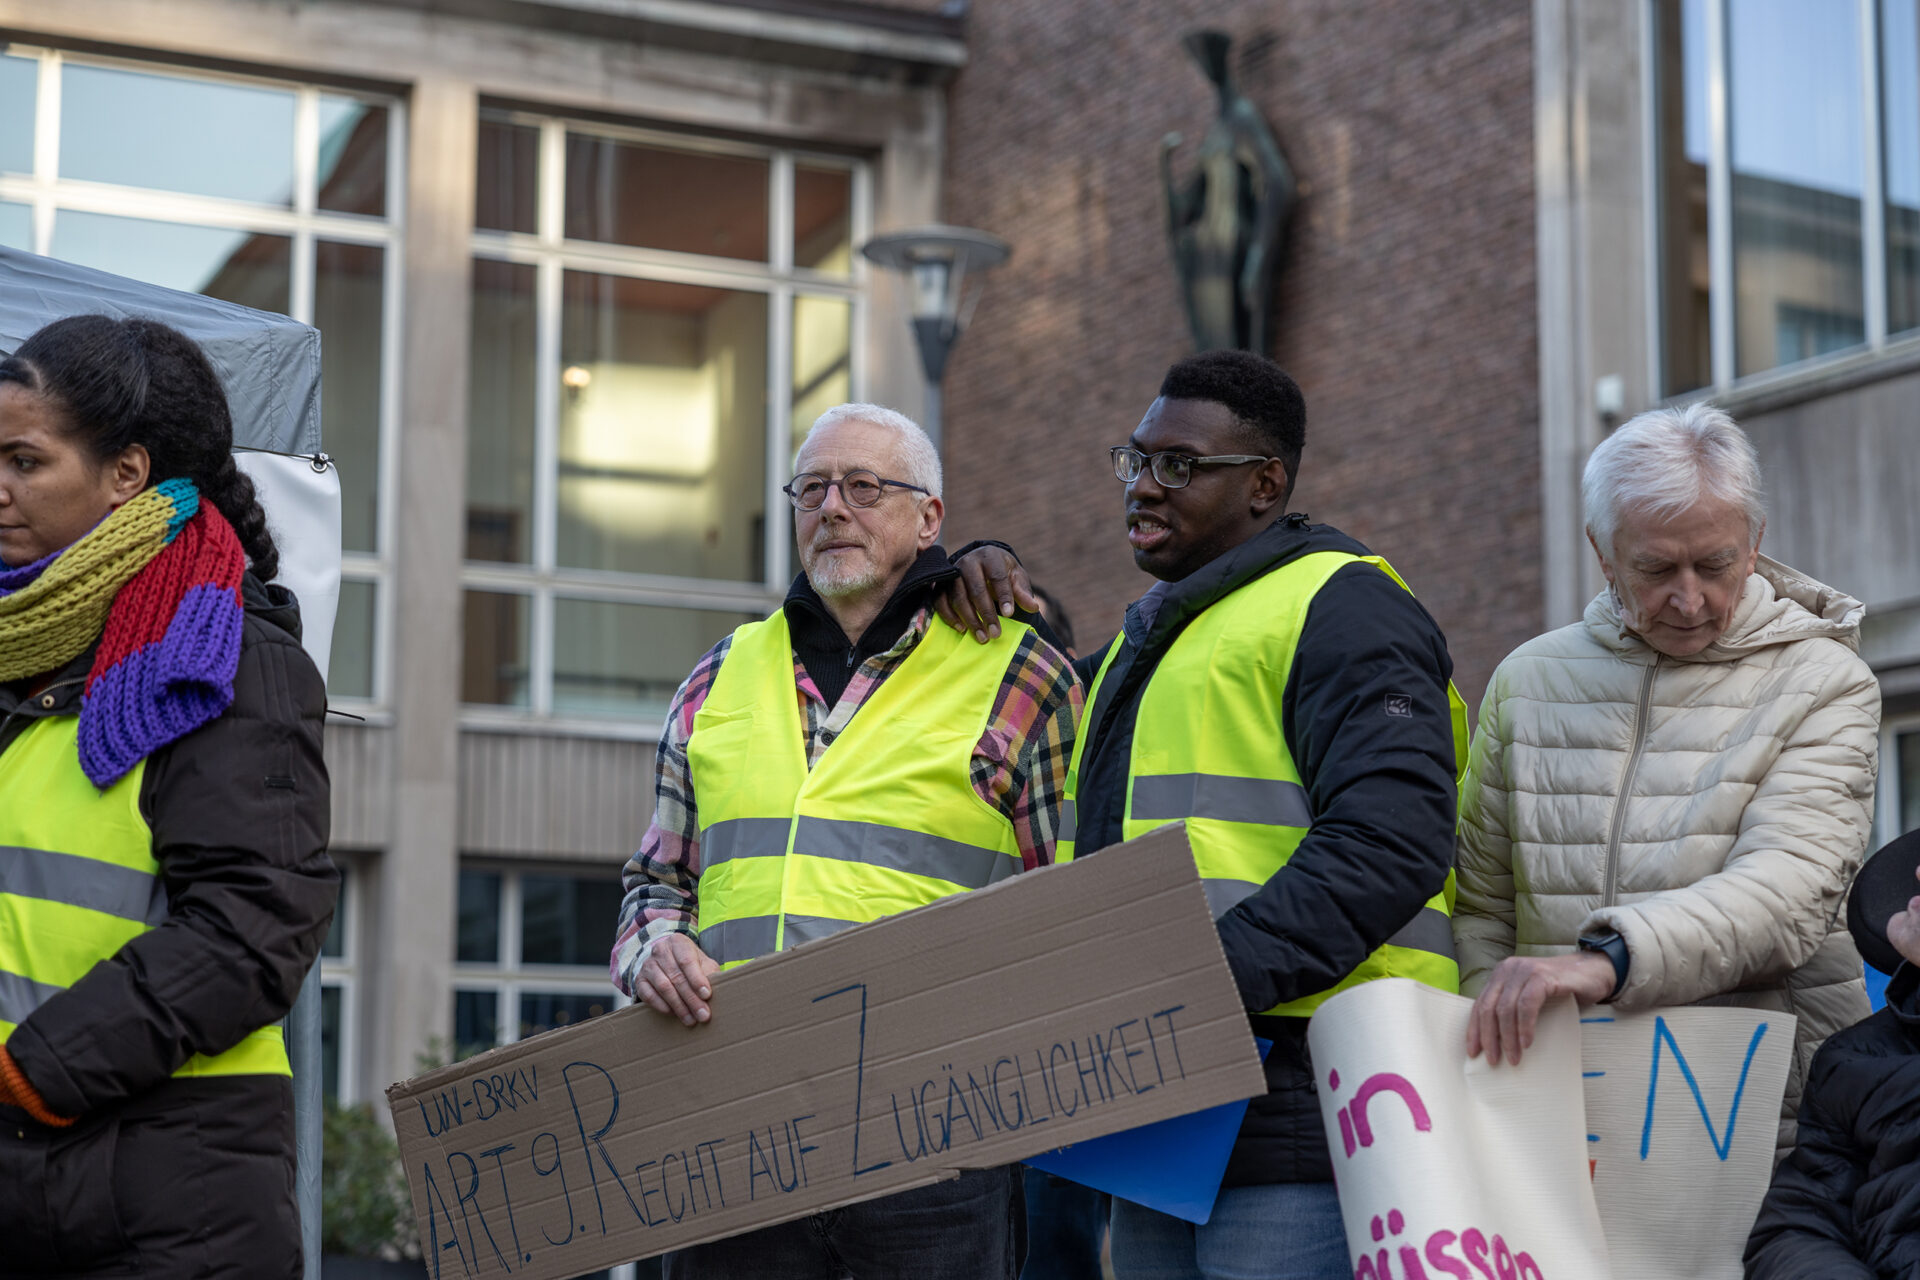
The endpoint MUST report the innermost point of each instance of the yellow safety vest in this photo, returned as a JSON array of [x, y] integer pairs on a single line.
[[886, 821], [1209, 750], [78, 881]]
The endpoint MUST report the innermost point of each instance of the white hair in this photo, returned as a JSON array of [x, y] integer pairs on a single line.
[[918, 458], [1665, 461]]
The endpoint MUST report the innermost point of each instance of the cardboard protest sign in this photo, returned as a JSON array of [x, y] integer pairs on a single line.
[[1446, 1166], [1683, 1108], [1050, 1008]]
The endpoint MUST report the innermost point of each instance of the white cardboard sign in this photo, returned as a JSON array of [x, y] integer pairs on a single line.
[[1567, 1167], [1447, 1167], [1683, 1108]]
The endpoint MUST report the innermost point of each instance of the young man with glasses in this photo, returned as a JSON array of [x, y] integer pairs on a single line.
[[1281, 692], [814, 736]]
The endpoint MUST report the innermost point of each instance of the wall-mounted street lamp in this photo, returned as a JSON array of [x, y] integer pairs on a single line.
[[946, 271]]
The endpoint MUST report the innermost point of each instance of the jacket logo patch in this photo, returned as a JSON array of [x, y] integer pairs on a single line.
[[1400, 704]]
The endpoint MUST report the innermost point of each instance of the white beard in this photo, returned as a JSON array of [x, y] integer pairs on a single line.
[[839, 575]]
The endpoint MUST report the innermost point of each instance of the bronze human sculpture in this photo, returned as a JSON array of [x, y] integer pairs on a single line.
[[1224, 225]]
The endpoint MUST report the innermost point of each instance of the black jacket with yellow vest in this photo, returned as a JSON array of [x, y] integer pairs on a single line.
[[1367, 719]]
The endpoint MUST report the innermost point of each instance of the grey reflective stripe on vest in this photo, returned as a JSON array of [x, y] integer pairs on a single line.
[[742, 838], [20, 996], [1428, 931], [914, 852], [1167, 796], [83, 882], [1068, 827], [750, 937], [745, 938], [1224, 895]]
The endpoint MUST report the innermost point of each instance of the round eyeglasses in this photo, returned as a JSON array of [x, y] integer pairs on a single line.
[[1172, 470], [858, 488]]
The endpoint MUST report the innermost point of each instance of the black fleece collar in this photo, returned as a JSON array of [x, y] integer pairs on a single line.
[[822, 646]]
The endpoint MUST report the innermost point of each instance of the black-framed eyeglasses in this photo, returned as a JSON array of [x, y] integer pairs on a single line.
[[859, 488], [1173, 470]]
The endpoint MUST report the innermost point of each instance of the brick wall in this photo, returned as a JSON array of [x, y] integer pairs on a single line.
[[1405, 308]]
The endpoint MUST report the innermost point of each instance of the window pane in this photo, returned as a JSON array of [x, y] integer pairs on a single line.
[[508, 181], [353, 156], [335, 945], [1797, 175], [349, 294], [177, 134], [478, 936], [494, 664], [1685, 267], [476, 1022], [239, 266], [627, 659], [823, 219], [19, 80], [545, 1010], [662, 428], [16, 226], [500, 414], [822, 345], [350, 667], [568, 919], [332, 1001], [657, 198], [1900, 82]]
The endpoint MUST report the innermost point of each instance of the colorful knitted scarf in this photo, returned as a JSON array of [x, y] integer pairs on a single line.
[[157, 583]]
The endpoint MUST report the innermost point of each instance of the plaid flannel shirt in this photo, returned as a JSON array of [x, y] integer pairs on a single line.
[[1019, 767]]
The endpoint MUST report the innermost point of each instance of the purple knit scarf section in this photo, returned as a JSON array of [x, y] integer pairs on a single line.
[[163, 691]]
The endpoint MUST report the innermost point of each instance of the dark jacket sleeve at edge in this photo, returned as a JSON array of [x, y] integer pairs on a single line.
[[240, 814], [1367, 720], [1805, 1227]]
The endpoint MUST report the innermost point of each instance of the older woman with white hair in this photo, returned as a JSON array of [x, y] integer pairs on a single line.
[[1667, 800]]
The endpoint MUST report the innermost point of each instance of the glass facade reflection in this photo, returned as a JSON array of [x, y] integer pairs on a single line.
[[662, 428], [19, 88], [495, 668], [174, 133], [251, 269], [500, 426], [350, 668], [1900, 141], [627, 659], [654, 197], [16, 226], [349, 309]]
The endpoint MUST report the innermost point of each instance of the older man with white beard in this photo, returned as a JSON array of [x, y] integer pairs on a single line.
[[801, 787]]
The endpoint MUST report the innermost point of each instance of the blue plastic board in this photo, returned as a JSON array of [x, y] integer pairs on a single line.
[[1174, 1165]]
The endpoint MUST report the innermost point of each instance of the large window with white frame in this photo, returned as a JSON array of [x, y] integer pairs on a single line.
[[655, 317], [1786, 206], [278, 195], [530, 952], [339, 990]]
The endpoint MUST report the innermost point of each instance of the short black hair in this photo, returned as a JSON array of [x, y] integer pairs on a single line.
[[1267, 402]]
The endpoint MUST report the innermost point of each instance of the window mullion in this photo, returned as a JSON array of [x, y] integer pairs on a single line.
[[1720, 293], [1873, 203], [779, 433], [46, 150]]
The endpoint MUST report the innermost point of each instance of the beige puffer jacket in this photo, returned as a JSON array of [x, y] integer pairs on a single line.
[[1747, 772]]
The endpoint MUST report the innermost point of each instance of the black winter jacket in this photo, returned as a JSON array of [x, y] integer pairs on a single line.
[[188, 1177], [1365, 716], [1846, 1203]]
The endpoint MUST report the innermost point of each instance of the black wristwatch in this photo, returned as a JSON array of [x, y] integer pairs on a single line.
[[1613, 947]]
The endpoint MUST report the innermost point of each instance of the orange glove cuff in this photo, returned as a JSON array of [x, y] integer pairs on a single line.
[[16, 1089]]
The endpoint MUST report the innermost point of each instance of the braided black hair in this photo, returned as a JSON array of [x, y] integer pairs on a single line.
[[138, 381]]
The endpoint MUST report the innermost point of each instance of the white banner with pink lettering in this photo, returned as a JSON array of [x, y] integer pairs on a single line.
[[1567, 1167]]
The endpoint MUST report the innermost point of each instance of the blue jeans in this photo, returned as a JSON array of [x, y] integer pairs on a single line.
[[1282, 1231], [1065, 1223], [956, 1230]]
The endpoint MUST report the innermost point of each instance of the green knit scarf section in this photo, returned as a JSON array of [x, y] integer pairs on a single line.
[[54, 619]]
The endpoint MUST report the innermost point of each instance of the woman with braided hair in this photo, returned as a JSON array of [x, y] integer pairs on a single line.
[[164, 881]]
